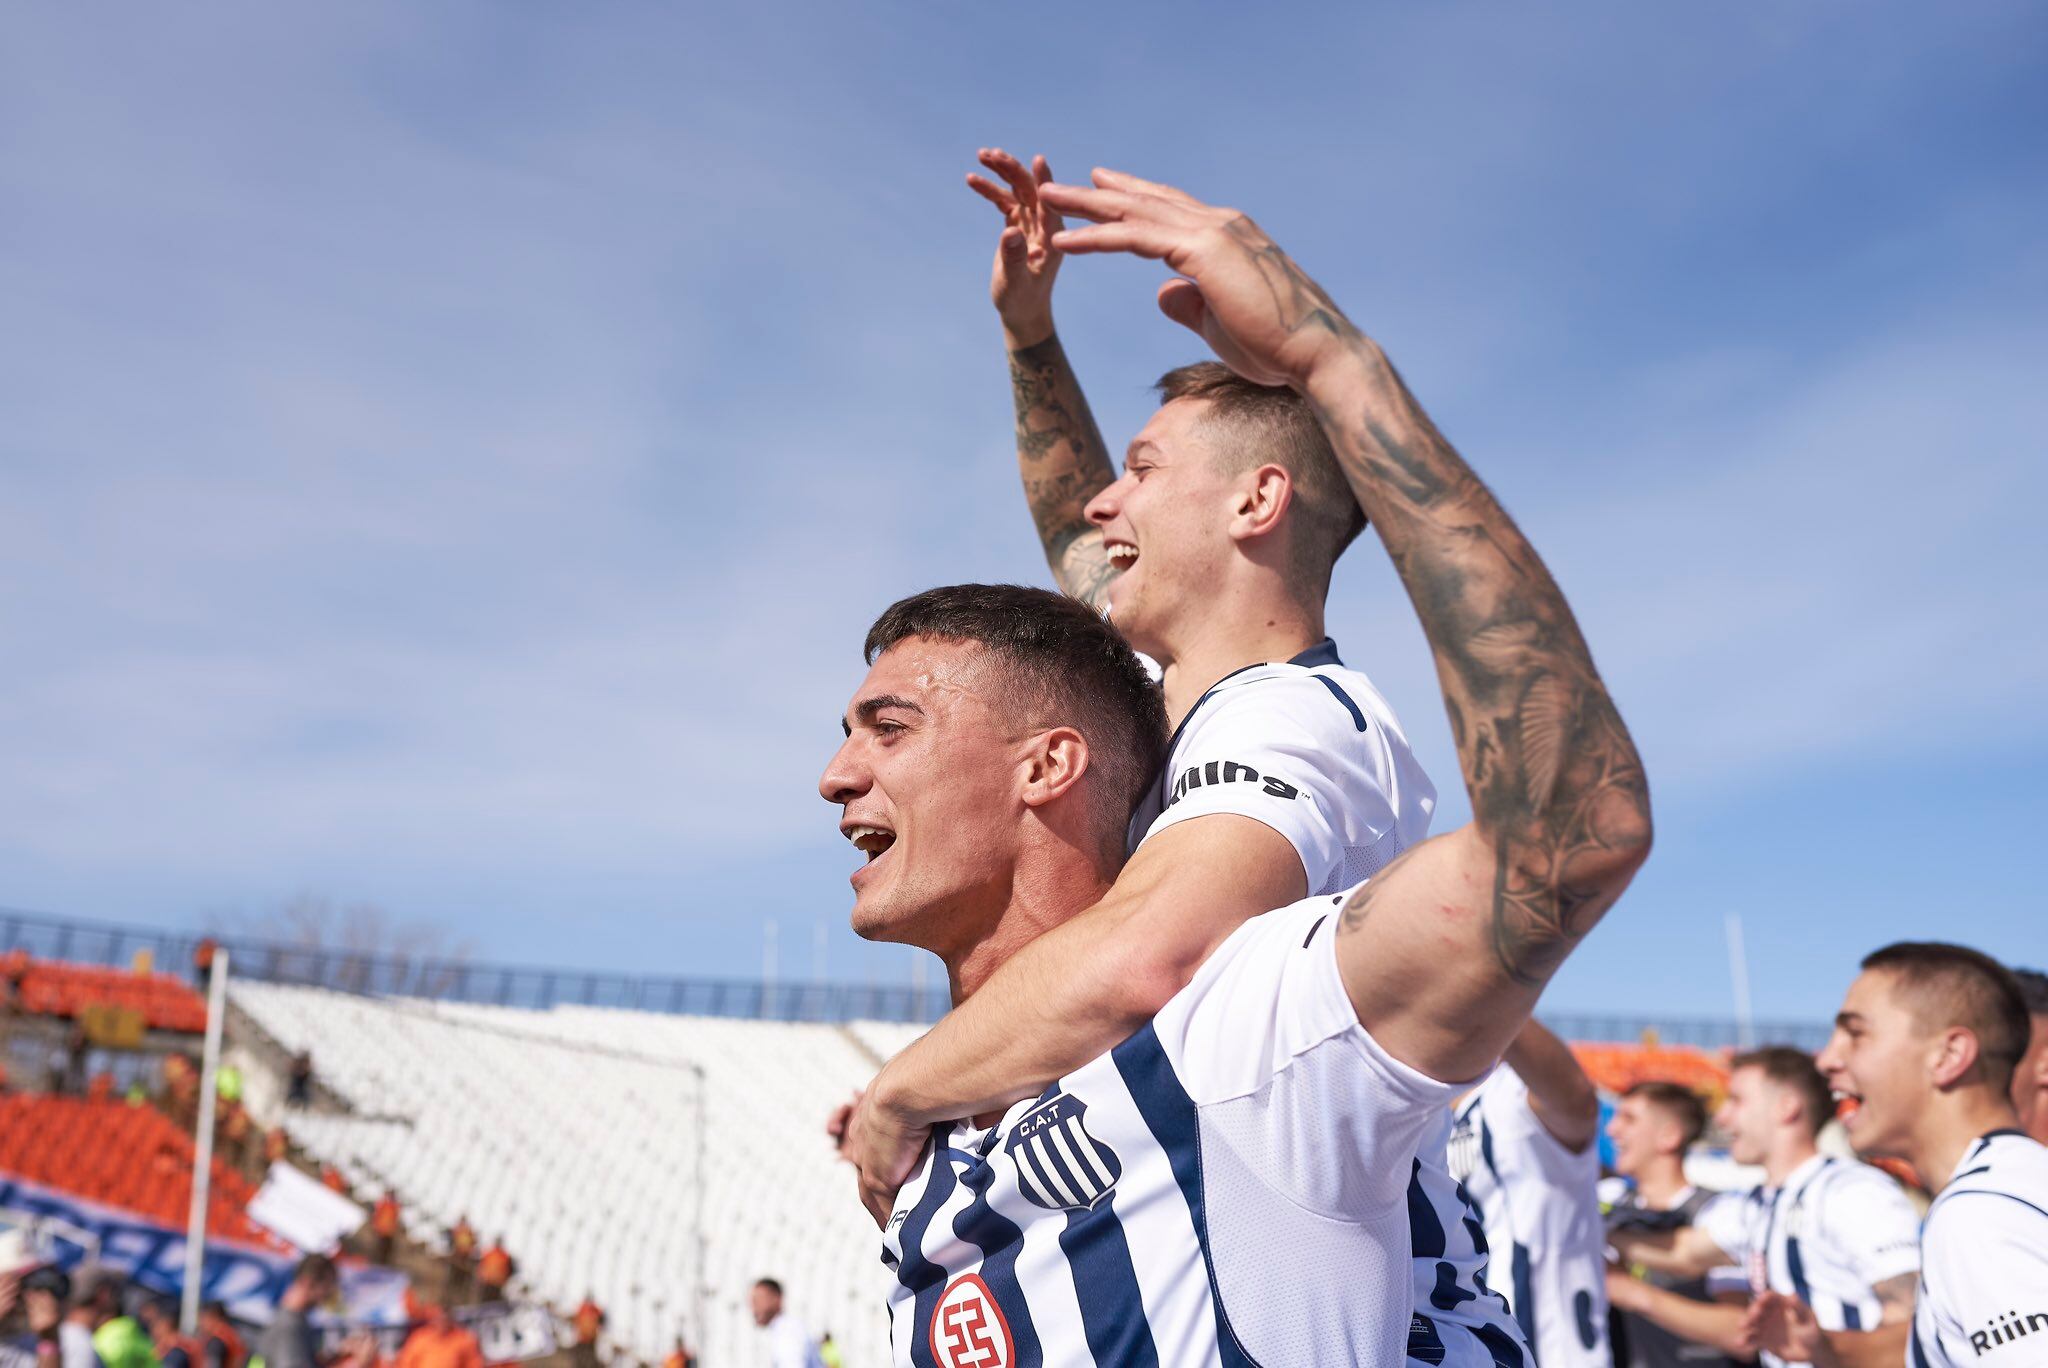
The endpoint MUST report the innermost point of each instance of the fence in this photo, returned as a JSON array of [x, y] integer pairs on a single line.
[[452, 980]]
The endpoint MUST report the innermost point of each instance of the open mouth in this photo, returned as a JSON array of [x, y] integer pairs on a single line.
[[1122, 554], [871, 841]]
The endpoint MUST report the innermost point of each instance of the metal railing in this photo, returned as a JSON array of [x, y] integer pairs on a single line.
[[529, 986]]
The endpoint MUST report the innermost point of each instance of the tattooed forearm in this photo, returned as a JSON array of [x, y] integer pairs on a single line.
[[1557, 788], [1064, 464]]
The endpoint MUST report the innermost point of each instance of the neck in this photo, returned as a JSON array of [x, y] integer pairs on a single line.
[[1661, 1181], [1231, 632], [1043, 894], [1946, 1131], [1788, 1152]]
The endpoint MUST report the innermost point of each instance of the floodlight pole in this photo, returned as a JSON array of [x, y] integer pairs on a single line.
[[202, 1143], [1738, 969]]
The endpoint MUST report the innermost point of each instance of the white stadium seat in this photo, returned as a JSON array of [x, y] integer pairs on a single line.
[[578, 1135]]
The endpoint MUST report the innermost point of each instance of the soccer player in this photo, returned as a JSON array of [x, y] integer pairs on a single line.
[[1288, 774], [1925, 1045], [1523, 1144], [1833, 1234], [1663, 1321], [1306, 1027], [2030, 1075]]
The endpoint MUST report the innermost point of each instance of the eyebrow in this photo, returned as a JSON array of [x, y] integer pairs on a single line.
[[1135, 447], [1848, 1018], [868, 709]]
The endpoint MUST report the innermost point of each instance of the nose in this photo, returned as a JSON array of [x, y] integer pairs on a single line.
[[1829, 1060], [1106, 504], [845, 778]]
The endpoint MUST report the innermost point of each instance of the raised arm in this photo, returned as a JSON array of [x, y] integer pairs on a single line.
[[1060, 452], [1444, 952], [1560, 1094]]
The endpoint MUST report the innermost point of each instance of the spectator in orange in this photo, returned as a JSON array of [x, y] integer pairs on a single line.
[[588, 1321], [202, 961], [680, 1356], [220, 1344], [461, 1261], [493, 1271], [440, 1343], [384, 1226], [276, 1144], [173, 1350], [331, 1179]]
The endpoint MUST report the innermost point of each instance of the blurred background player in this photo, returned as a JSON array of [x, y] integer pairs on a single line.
[[789, 1344], [1925, 1045], [1834, 1234], [2030, 1075], [1524, 1144], [1663, 1320]]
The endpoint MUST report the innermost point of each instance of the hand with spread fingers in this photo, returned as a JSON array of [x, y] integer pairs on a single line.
[[1026, 260], [1785, 1327], [1259, 312]]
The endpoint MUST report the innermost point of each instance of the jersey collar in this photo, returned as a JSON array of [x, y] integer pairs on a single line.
[[1323, 652]]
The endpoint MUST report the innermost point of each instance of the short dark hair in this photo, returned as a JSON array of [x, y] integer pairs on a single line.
[[1677, 1101], [1065, 665], [770, 1284], [2033, 990], [1792, 1068], [1953, 985], [1273, 423], [316, 1267]]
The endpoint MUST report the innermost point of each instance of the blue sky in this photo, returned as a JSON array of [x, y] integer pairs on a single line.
[[452, 452]]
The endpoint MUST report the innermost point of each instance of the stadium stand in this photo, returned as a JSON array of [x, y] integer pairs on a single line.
[[46, 987], [122, 1155], [587, 1138]]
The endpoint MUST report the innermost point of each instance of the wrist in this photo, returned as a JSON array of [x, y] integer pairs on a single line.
[[1343, 365], [1027, 331]]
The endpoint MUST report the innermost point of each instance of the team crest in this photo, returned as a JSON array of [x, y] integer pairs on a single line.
[[968, 1328], [1060, 1166]]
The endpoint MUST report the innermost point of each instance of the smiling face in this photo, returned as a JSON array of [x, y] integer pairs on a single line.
[[1751, 1114], [930, 790], [1166, 527], [1883, 1058], [1641, 1131]]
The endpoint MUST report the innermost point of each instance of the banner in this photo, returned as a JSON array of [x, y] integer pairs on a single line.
[[302, 1211], [247, 1279]]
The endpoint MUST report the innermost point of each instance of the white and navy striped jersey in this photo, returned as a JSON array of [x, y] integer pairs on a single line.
[[1540, 1205], [1831, 1232], [1311, 749], [1307, 747], [1229, 1186], [1984, 1261]]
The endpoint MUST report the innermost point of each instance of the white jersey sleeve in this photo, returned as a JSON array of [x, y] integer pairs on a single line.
[[1729, 1220], [1308, 1136], [1868, 1220], [1984, 1261], [1313, 754], [1266, 1037]]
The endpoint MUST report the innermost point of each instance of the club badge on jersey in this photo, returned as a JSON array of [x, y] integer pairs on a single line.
[[1060, 1166], [969, 1329]]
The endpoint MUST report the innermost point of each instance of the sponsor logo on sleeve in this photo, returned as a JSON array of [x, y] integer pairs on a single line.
[[1229, 772], [2006, 1327]]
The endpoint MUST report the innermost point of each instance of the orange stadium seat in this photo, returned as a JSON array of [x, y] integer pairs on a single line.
[[1615, 1068], [58, 988], [120, 1155]]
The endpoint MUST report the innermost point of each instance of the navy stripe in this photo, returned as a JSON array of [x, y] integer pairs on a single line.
[[1050, 1153], [1335, 688], [918, 1274], [1993, 1192], [1795, 1268], [1852, 1319], [1001, 1240], [1523, 1300], [1106, 1285], [1425, 1231], [1170, 1115], [1313, 929], [1506, 1353], [1913, 1343], [1323, 652]]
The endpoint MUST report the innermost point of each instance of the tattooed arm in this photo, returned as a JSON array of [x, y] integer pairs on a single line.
[[1444, 952], [1060, 452]]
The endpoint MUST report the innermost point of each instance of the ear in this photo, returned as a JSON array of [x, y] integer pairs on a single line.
[[1953, 1054], [1263, 498], [1054, 763]]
